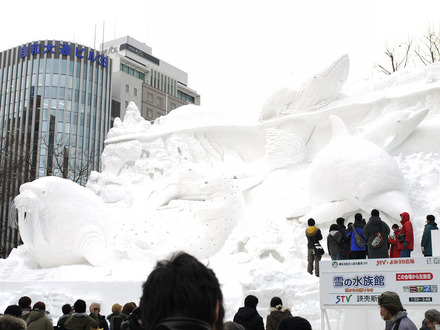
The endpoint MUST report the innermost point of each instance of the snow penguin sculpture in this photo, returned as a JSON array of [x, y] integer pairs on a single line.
[[62, 223], [351, 173]]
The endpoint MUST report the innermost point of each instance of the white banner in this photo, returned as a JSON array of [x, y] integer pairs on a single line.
[[356, 283]]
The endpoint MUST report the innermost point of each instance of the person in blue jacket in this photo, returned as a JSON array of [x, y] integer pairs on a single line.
[[356, 251], [426, 237]]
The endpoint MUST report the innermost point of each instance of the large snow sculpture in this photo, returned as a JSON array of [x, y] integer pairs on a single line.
[[214, 174]]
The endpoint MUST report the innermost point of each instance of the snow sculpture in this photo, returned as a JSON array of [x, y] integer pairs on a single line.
[[352, 174], [62, 223]]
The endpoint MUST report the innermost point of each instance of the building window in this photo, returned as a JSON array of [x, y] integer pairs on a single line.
[[135, 92], [149, 113], [173, 106], [159, 101], [127, 88], [126, 104], [150, 97]]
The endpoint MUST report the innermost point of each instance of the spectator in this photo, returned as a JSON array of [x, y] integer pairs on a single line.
[[405, 239], [248, 316], [313, 235], [25, 304], [116, 310], [392, 241], [356, 251], [426, 237], [117, 320], [133, 321], [392, 312], [432, 318], [13, 310], [66, 312], [37, 319], [182, 292], [95, 309], [79, 320], [9, 322], [294, 323], [376, 232], [345, 243], [334, 243], [277, 313]]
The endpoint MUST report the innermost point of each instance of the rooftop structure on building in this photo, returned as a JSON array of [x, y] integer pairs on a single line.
[[156, 86]]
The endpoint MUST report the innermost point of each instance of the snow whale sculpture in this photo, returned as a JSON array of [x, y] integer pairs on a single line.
[[314, 93], [352, 174], [62, 223]]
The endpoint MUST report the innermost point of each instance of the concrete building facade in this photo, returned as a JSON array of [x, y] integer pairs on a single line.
[[154, 85]]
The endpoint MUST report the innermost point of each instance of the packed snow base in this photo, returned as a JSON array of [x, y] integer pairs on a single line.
[[235, 193]]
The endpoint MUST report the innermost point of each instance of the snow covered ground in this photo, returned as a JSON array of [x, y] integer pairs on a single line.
[[235, 192]]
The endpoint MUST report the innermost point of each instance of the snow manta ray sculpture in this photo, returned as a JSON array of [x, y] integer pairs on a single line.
[[352, 174]]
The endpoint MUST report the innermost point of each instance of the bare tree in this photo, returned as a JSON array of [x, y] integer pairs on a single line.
[[18, 163], [429, 49], [398, 58]]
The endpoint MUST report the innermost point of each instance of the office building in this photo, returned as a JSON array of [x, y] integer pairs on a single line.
[[154, 85], [55, 99]]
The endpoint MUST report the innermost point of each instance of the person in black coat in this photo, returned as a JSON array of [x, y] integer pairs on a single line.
[[345, 242], [248, 316]]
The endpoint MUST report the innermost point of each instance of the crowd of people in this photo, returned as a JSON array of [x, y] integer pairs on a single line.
[[362, 239], [184, 294]]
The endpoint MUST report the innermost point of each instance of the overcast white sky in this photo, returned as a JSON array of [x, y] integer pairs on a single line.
[[236, 52]]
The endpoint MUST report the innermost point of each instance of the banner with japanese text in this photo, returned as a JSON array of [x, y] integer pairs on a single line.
[[356, 283]]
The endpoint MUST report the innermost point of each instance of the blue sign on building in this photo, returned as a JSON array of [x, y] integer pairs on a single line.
[[64, 49]]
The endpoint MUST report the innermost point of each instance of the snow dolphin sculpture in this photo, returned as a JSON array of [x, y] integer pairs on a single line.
[[352, 174], [62, 223], [392, 130]]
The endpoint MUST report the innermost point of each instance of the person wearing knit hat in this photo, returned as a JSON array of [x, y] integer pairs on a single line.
[[95, 309], [393, 313], [294, 323], [37, 319], [277, 313], [313, 235], [426, 237]]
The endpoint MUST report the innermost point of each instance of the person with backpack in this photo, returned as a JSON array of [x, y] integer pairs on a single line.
[[313, 235], [376, 232], [356, 238], [334, 243]]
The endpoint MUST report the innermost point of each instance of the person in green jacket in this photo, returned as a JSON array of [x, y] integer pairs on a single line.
[[37, 319], [79, 320], [426, 237]]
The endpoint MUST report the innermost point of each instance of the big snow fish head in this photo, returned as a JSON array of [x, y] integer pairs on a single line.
[[62, 222]]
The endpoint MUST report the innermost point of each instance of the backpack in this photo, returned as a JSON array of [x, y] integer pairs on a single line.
[[360, 242]]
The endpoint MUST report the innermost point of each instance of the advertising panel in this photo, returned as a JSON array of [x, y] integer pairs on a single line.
[[357, 283]]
